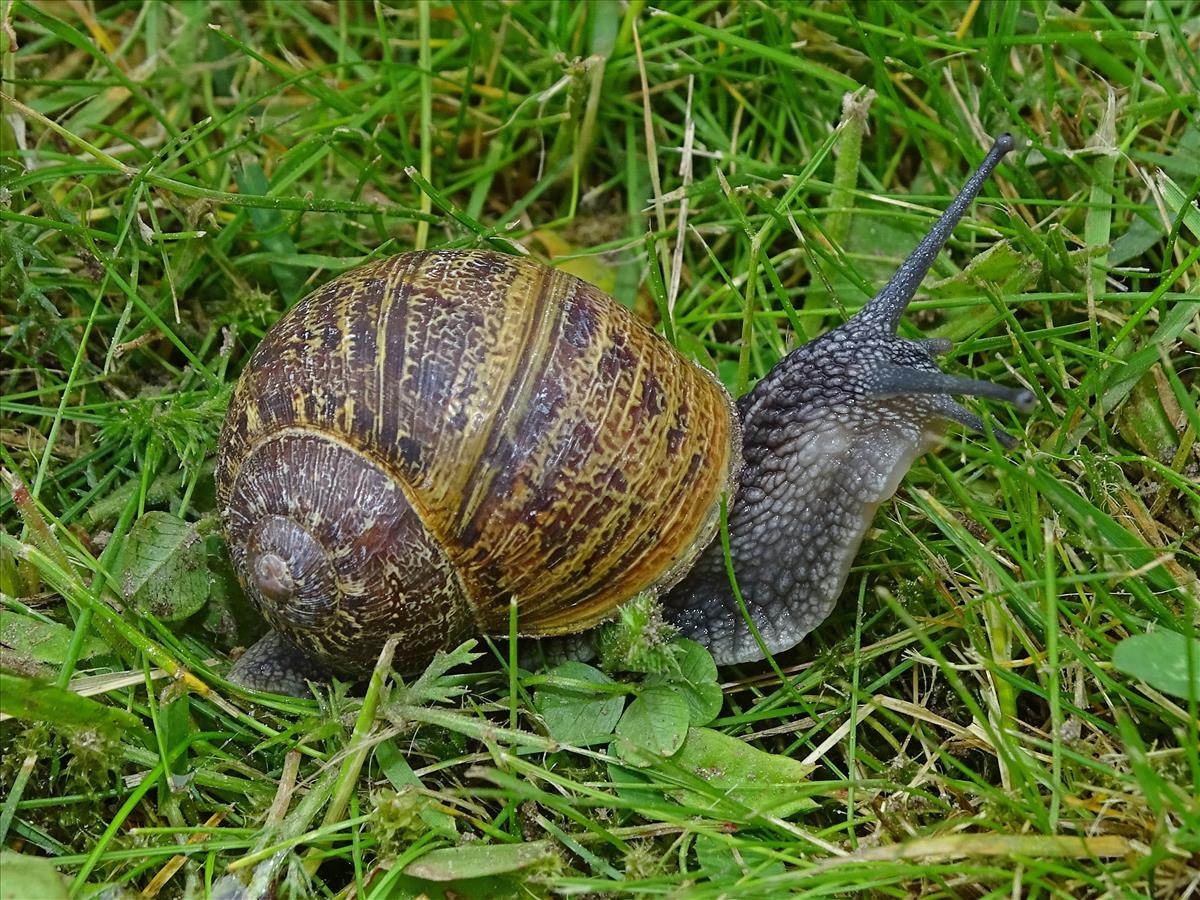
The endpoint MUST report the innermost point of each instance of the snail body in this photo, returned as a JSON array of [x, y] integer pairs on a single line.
[[432, 435]]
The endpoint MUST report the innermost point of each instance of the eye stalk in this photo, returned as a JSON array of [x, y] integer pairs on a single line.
[[883, 313], [879, 319]]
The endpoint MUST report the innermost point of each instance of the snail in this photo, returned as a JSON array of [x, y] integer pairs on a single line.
[[433, 434]]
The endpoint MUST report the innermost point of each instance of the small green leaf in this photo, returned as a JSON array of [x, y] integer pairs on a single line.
[[397, 770], [435, 685], [175, 725], [33, 639], [696, 681], [719, 862], [635, 788], [271, 227], [655, 723], [1161, 659], [480, 860], [764, 783], [638, 639], [716, 858], [164, 570], [30, 876], [574, 714], [403, 887], [226, 614], [1000, 265]]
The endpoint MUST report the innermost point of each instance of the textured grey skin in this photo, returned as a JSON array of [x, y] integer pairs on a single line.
[[275, 665], [827, 436]]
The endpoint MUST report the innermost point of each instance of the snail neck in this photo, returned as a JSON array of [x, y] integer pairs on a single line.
[[820, 455], [827, 436]]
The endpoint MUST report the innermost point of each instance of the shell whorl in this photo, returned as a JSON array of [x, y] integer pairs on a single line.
[[291, 570], [334, 555]]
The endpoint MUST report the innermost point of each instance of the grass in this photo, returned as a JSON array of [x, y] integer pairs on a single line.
[[173, 175]]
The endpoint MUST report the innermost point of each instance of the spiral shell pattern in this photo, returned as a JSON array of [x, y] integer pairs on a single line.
[[452, 429]]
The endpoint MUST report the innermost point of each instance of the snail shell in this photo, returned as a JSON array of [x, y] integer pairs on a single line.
[[430, 435]]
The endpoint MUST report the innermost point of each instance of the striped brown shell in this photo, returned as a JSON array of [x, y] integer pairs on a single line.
[[428, 436]]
